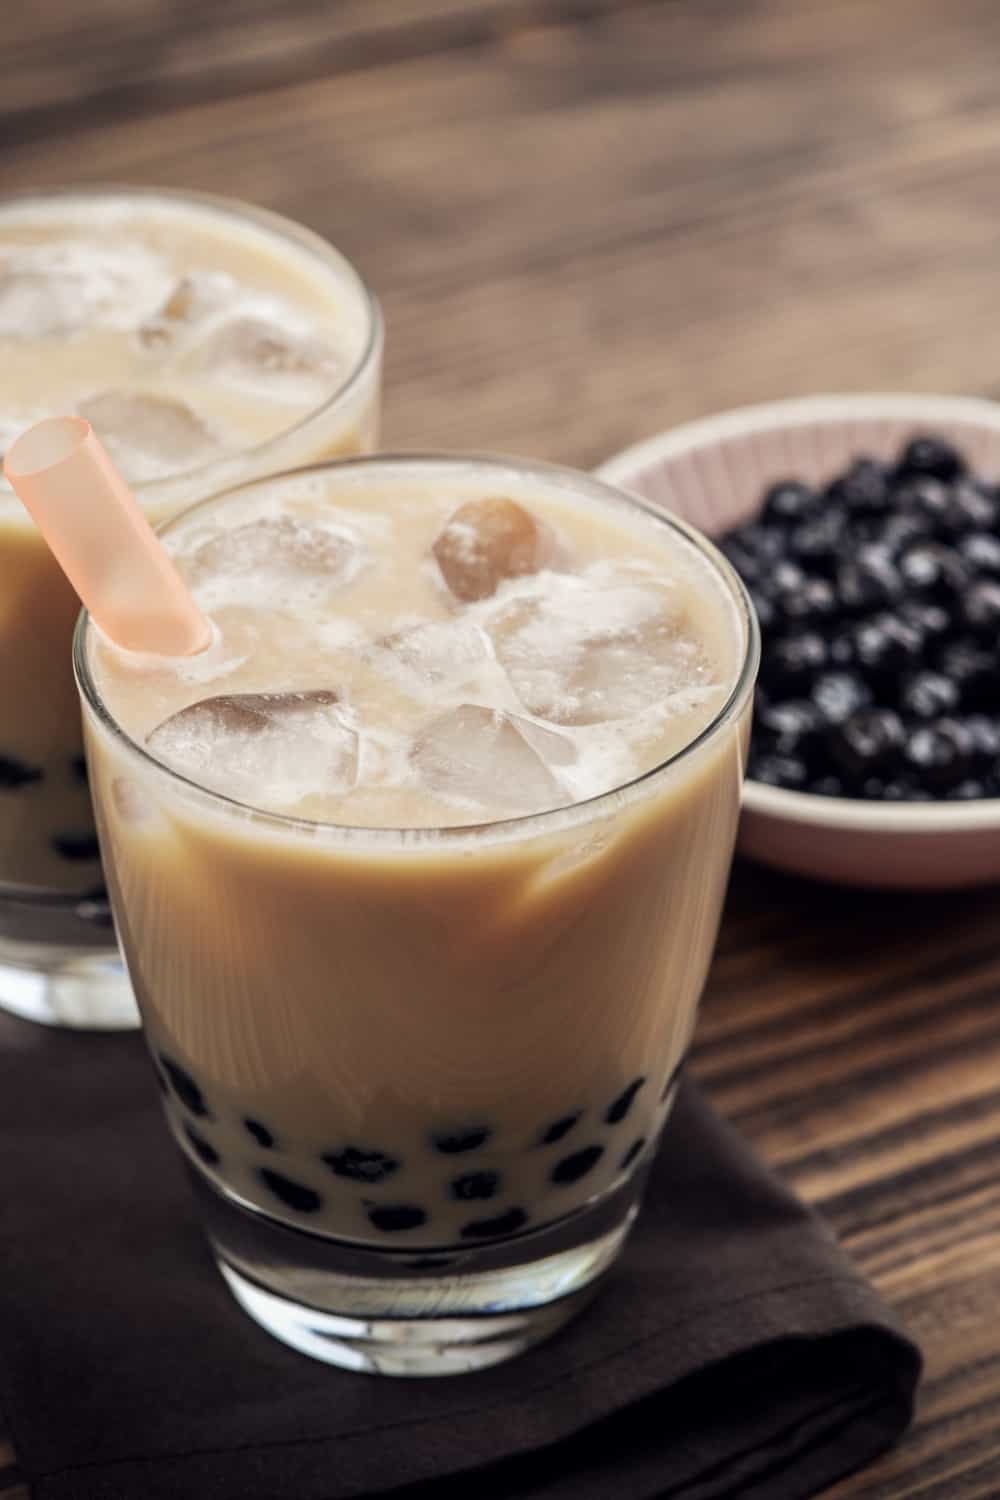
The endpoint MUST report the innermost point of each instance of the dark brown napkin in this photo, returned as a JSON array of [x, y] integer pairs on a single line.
[[734, 1351]]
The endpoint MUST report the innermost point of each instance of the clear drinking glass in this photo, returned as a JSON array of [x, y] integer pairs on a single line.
[[418, 1075], [58, 958]]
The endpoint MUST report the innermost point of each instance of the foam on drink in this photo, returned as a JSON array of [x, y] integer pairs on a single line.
[[505, 686]]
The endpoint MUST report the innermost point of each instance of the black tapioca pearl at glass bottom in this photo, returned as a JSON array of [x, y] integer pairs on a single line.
[[452, 1142], [204, 1150], [359, 1165], [260, 1133], [78, 766], [184, 1087], [476, 1185], [392, 1218], [621, 1106], [558, 1129], [490, 1229], [76, 846], [572, 1168], [632, 1152], [292, 1194], [15, 773]]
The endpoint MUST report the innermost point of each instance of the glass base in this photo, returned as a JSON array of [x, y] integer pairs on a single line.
[[433, 1345], [90, 991], [441, 1311], [59, 963]]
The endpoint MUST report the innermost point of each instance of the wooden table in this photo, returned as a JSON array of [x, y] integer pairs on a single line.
[[589, 219]]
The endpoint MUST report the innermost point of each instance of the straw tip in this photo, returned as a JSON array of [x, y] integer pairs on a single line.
[[101, 539], [48, 442]]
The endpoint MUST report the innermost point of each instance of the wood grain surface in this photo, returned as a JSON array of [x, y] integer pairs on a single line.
[[587, 221]]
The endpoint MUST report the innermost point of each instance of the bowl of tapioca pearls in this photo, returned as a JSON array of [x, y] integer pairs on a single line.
[[867, 531]]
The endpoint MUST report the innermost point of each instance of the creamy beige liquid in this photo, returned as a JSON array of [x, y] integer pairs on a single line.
[[436, 1037], [203, 346]]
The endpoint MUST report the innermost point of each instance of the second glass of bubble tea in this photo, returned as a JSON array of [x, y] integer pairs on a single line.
[[207, 341]]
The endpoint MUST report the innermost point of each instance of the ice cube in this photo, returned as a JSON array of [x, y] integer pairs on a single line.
[[270, 750], [149, 436], [36, 306], [438, 658], [289, 363], [276, 545], [555, 749], [486, 541], [586, 653], [57, 289], [489, 758], [191, 300]]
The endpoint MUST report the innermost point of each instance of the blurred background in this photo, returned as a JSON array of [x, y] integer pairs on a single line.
[[586, 219]]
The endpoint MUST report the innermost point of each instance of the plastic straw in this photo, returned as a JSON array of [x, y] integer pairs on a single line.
[[102, 541]]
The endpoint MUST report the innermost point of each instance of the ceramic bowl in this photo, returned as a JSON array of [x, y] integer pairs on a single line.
[[713, 473]]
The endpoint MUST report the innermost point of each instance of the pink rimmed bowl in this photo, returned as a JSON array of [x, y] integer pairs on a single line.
[[713, 473]]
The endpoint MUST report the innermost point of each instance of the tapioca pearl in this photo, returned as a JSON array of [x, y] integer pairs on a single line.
[[260, 1133], [393, 1218], [490, 1229], [360, 1165], [621, 1106], [452, 1142], [632, 1152], [204, 1150], [572, 1168], [78, 769], [76, 846], [292, 1194], [559, 1128], [475, 1185], [184, 1086], [15, 773]]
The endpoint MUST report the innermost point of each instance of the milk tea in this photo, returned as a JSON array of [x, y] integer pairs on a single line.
[[418, 867], [203, 343]]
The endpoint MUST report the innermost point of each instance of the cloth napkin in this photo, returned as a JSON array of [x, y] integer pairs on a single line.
[[733, 1351]]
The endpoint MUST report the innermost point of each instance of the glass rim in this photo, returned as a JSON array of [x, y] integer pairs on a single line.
[[215, 471], [523, 825]]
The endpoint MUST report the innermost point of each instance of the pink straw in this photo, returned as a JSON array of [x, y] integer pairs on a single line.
[[102, 541]]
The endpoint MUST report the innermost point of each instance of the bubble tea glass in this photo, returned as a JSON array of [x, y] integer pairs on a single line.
[[207, 341], [417, 1041]]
